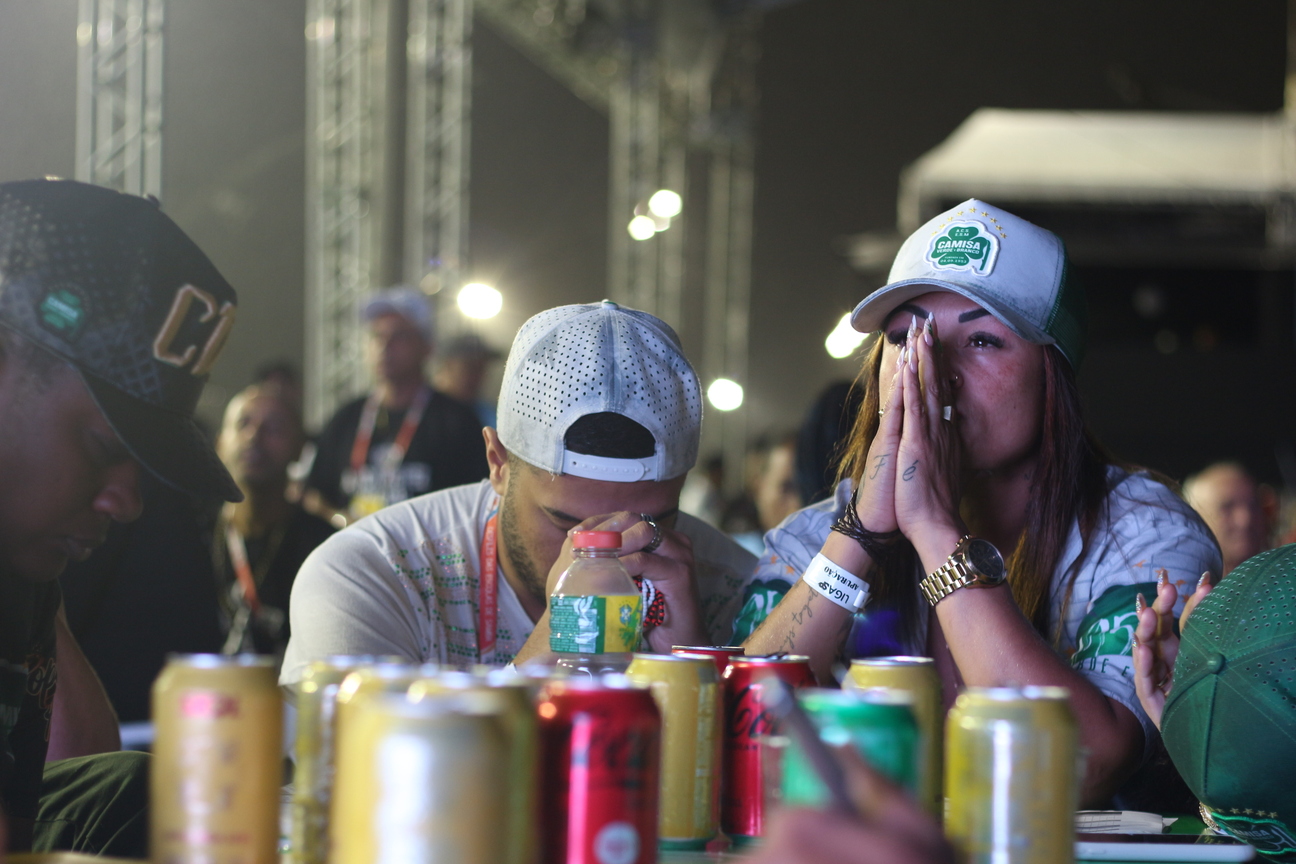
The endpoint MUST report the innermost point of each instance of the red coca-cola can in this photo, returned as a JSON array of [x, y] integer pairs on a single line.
[[600, 751], [743, 788], [720, 654]]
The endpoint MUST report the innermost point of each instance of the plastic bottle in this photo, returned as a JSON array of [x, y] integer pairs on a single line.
[[595, 611]]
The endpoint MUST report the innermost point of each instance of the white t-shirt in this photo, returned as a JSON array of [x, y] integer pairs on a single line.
[[1142, 529], [404, 581]]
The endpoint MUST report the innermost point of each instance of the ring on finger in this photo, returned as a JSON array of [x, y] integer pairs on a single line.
[[657, 535]]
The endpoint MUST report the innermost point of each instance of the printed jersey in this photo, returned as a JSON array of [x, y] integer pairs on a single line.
[[1144, 529], [405, 582], [27, 677]]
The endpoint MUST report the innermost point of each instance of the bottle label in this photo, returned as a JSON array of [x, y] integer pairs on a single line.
[[593, 624]]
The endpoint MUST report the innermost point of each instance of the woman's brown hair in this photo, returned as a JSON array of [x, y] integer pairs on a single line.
[[1070, 485]]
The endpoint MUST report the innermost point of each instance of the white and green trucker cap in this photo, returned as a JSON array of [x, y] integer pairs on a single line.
[[1016, 271], [593, 358]]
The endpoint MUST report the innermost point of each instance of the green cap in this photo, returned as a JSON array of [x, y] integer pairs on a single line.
[[1230, 721]]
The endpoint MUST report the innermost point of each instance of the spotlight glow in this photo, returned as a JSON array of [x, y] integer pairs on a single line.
[[642, 227], [665, 204], [844, 339], [724, 394], [479, 301]]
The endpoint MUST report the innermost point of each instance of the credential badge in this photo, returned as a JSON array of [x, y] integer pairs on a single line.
[[964, 246]]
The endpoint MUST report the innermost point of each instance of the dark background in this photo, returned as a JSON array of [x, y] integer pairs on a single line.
[[852, 91]]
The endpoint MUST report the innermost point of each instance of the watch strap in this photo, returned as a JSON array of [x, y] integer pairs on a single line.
[[950, 576]]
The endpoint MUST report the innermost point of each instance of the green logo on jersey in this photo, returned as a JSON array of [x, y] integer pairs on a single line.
[[1108, 629], [964, 246], [63, 313]]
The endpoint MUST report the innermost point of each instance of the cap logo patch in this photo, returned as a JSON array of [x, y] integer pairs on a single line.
[[63, 313], [1268, 835], [175, 349], [964, 246]]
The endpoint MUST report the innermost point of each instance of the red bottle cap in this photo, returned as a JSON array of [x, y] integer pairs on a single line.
[[596, 540]]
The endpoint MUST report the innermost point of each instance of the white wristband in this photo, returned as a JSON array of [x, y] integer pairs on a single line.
[[845, 589]]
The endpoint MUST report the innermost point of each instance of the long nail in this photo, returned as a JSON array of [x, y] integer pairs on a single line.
[[913, 325], [1139, 605], [1136, 640], [913, 359], [1163, 578], [927, 332], [1204, 580], [899, 359]]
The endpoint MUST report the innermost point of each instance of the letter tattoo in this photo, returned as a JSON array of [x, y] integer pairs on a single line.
[[911, 471], [879, 462]]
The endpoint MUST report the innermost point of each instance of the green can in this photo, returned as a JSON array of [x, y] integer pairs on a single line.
[[881, 725]]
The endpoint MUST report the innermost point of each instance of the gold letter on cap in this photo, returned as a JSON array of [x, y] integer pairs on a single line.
[[165, 351]]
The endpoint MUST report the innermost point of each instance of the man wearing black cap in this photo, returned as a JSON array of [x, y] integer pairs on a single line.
[[110, 318]]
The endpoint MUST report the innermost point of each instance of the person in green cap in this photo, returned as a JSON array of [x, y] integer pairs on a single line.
[[1224, 696]]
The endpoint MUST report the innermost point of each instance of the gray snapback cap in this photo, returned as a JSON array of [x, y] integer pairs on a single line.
[[1016, 271]]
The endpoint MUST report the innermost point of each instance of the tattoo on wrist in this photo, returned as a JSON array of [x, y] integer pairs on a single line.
[[911, 471], [880, 545]]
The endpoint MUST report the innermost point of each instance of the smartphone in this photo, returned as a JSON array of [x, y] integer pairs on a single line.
[[1161, 847]]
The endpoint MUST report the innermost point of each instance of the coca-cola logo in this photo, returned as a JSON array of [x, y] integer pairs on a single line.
[[746, 718], [208, 705]]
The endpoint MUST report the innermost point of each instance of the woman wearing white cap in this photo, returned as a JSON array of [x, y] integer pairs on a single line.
[[970, 467]]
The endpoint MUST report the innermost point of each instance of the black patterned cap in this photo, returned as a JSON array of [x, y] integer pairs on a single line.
[[109, 283]]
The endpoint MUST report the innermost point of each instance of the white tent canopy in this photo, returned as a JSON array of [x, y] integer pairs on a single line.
[[1108, 158]]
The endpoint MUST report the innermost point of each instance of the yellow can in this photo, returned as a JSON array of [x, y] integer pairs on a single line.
[[686, 689], [512, 697], [420, 779], [217, 761], [918, 677], [1011, 775], [315, 697]]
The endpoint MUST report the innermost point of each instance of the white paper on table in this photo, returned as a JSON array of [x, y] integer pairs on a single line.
[[1121, 822]]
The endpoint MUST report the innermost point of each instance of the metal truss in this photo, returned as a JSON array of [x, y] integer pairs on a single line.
[[439, 107], [119, 94], [346, 121]]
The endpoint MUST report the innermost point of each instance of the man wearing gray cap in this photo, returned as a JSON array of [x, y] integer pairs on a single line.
[[600, 414], [404, 438], [110, 318]]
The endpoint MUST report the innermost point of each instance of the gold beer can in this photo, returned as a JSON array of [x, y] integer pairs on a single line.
[[316, 701], [1010, 781], [686, 689], [418, 780], [511, 696], [918, 677], [217, 761]]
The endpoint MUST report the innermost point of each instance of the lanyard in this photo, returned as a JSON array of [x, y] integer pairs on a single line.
[[364, 432], [488, 588], [242, 570]]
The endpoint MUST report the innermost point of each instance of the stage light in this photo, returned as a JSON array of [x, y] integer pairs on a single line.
[[665, 204], [724, 394], [844, 339], [479, 301], [642, 227]]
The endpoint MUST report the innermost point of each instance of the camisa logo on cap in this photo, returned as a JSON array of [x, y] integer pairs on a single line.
[[964, 246]]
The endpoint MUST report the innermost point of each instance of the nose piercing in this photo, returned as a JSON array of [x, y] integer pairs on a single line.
[[955, 381]]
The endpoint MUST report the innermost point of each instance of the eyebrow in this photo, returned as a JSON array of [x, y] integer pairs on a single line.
[[972, 315], [567, 517]]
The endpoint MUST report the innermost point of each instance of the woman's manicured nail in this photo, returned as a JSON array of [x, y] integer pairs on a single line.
[[1204, 580], [1163, 578], [927, 331], [1139, 604]]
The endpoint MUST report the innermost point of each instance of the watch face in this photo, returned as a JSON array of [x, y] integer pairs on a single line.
[[986, 560]]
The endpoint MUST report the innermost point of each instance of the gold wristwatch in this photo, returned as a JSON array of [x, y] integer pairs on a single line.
[[974, 563]]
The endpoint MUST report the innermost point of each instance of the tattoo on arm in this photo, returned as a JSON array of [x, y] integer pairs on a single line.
[[879, 462], [911, 471], [800, 617]]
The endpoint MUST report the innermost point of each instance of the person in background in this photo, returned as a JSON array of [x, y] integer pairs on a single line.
[[1233, 505], [1220, 688], [110, 319], [460, 370], [819, 441], [703, 492], [600, 417], [776, 493], [404, 438], [976, 504], [259, 543]]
